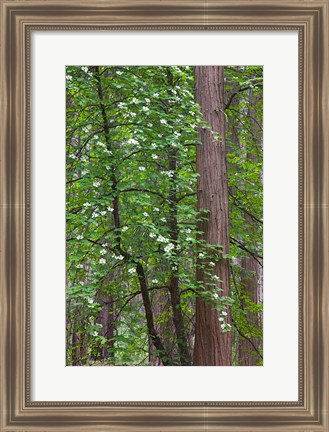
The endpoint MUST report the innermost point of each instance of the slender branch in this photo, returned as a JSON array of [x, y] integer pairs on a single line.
[[74, 180], [149, 317], [239, 206], [131, 296], [239, 91], [243, 247], [185, 196], [248, 339], [143, 190]]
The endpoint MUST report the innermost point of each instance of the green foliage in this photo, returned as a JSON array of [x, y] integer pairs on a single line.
[[131, 199]]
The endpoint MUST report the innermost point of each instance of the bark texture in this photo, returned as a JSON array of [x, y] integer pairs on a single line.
[[105, 318], [212, 346], [164, 326]]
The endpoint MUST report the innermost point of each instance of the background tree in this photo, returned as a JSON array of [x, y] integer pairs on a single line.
[[243, 109]]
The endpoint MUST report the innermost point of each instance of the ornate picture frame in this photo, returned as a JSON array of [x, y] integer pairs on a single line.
[[18, 19]]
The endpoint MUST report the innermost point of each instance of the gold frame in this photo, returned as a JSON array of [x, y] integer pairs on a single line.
[[17, 411]]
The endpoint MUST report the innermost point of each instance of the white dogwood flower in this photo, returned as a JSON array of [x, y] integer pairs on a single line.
[[169, 247]]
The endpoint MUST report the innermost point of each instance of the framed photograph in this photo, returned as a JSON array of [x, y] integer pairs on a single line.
[[164, 204]]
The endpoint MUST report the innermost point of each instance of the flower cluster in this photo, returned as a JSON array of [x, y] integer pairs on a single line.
[[223, 324], [162, 239], [168, 173], [169, 247]]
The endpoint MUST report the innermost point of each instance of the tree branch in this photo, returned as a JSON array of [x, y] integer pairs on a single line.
[[248, 339], [239, 91], [144, 190], [243, 247], [239, 206]]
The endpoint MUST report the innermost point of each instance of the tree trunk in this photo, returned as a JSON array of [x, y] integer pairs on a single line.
[[246, 354], [212, 346], [79, 340], [164, 328], [174, 290], [248, 350], [156, 341], [105, 318]]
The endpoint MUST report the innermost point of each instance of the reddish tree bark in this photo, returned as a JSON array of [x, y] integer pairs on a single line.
[[79, 341], [212, 346], [105, 317]]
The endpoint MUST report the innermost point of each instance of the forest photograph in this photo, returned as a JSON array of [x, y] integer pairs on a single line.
[[164, 215]]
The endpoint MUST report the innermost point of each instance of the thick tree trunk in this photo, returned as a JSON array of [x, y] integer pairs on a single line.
[[212, 346]]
